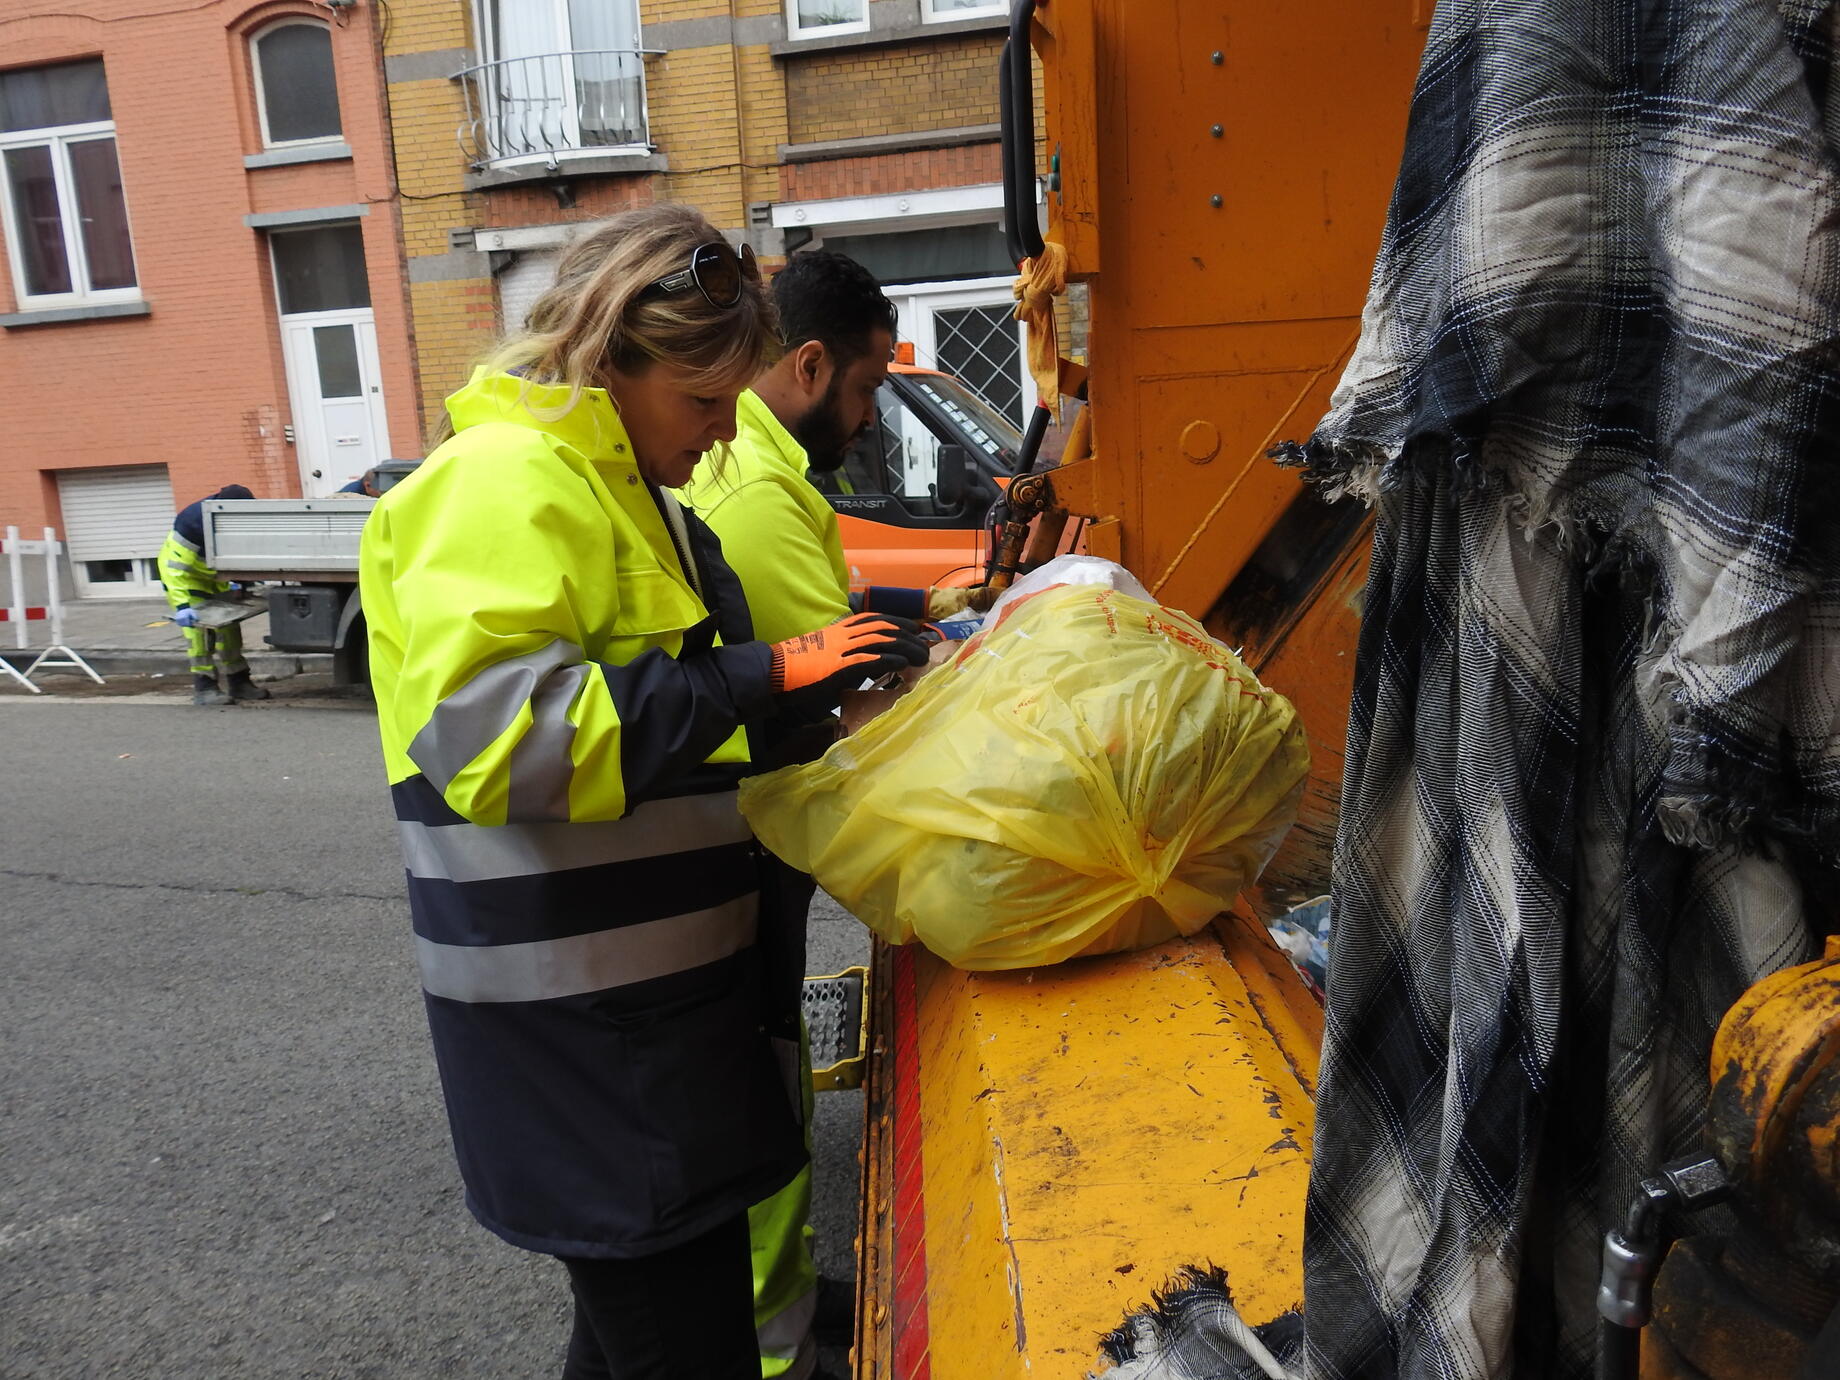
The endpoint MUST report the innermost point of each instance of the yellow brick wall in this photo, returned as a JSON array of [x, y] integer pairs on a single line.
[[455, 321], [690, 94], [719, 115], [669, 11], [855, 93], [763, 96], [420, 26], [452, 321]]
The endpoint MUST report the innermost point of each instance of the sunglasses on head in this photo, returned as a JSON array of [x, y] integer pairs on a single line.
[[715, 270]]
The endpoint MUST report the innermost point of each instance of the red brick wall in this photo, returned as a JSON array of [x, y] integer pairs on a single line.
[[595, 198], [199, 383], [887, 173]]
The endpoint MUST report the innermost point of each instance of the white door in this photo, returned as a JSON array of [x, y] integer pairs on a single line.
[[965, 329], [335, 385]]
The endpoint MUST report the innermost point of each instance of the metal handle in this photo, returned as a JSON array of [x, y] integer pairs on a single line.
[[1016, 104], [1625, 1290], [1632, 1257]]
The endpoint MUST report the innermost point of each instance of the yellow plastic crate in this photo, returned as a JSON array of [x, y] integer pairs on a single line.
[[837, 1024]]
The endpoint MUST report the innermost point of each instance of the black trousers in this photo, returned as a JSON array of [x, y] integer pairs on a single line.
[[683, 1314]]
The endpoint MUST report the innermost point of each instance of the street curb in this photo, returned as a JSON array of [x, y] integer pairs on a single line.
[[136, 661]]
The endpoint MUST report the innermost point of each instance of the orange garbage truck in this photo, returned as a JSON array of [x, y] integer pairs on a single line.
[[1045, 1148]]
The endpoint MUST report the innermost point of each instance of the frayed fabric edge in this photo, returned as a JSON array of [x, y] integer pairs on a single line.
[[1704, 805], [1706, 822], [1148, 1333], [1367, 470], [1362, 470]]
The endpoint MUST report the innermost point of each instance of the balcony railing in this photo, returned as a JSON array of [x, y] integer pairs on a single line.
[[552, 104]]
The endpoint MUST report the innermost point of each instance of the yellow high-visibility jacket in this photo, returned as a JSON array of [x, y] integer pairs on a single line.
[[188, 580], [563, 669], [779, 534]]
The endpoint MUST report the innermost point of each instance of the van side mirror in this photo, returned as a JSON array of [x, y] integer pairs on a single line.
[[952, 475]]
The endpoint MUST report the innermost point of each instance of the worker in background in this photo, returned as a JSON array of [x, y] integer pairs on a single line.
[[190, 583], [365, 484], [780, 535], [564, 725]]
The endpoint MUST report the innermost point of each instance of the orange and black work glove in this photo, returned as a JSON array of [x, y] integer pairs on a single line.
[[864, 646]]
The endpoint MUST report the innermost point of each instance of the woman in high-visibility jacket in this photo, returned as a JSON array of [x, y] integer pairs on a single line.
[[568, 689]]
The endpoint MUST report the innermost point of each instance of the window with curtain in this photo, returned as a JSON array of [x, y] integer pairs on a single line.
[[563, 74], [824, 18], [66, 214]]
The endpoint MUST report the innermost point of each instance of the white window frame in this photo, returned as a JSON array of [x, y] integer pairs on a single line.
[[928, 15], [143, 583], [255, 68], [853, 26], [59, 138]]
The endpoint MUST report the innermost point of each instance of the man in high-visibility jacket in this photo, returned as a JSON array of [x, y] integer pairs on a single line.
[[778, 531], [780, 535], [190, 582]]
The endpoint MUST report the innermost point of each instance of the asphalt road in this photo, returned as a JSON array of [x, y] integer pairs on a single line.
[[222, 1150]]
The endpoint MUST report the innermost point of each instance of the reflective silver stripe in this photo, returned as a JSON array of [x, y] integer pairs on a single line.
[[541, 763], [481, 852], [471, 719], [587, 962], [787, 1333], [177, 540]]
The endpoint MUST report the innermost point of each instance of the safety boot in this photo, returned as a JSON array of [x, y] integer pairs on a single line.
[[205, 691], [243, 688], [834, 1319]]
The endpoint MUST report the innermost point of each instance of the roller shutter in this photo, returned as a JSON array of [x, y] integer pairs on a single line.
[[117, 513]]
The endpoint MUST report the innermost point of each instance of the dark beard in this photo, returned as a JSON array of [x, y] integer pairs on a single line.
[[819, 432]]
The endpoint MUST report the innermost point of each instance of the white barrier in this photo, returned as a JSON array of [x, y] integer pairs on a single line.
[[52, 611]]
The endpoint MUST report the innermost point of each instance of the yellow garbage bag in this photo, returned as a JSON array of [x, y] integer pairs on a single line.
[[1091, 773]]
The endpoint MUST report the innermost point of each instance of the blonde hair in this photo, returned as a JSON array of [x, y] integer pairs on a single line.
[[590, 322]]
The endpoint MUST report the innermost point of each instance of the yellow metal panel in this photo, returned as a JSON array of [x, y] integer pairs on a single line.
[[1084, 1131]]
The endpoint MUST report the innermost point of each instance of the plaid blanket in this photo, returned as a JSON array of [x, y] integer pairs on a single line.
[[1594, 749]]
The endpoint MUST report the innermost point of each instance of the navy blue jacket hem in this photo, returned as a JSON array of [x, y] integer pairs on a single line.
[[729, 1205]]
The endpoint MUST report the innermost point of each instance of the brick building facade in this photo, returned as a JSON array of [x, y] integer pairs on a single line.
[[870, 126], [201, 274]]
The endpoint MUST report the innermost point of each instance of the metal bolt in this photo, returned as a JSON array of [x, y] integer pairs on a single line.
[[1218, 130], [1217, 201], [1218, 57]]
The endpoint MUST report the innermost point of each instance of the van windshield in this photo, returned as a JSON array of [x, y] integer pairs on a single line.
[[985, 428]]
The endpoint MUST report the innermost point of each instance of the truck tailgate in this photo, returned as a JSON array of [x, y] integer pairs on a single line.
[[285, 537]]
